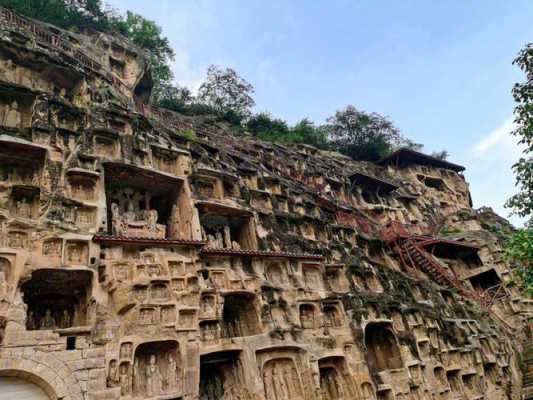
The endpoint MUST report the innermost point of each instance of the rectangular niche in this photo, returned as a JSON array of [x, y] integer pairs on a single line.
[[168, 315], [24, 201], [227, 227], [187, 320], [312, 276], [16, 108], [105, 144], [53, 248], [176, 268], [57, 299], [21, 162], [86, 217], [77, 252], [145, 204], [166, 160], [82, 184]]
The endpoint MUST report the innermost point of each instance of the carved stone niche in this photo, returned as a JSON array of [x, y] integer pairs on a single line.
[[240, 316], [21, 163], [166, 160], [209, 330], [206, 187], [188, 320], [82, 184], [16, 109], [168, 315], [57, 298], [312, 276], [86, 217], [309, 317], [283, 376], [77, 252], [143, 203], [53, 248], [217, 278], [157, 371], [335, 380], [17, 239], [178, 284], [332, 315], [24, 201], [208, 305], [105, 144], [121, 271], [368, 392], [385, 394], [148, 315], [176, 268], [336, 278], [440, 376], [383, 352], [222, 376], [276, 274], [159, 292]]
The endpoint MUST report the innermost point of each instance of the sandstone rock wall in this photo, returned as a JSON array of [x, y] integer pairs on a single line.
[[138, 260]]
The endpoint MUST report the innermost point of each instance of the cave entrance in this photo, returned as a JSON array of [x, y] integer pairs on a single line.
[[383, 352], [57, 299], [239, 316], [221, 376]]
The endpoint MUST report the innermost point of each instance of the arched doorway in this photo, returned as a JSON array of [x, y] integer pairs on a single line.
[[20, 389]]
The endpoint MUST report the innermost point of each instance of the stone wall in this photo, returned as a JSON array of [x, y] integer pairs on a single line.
[[139, 262]]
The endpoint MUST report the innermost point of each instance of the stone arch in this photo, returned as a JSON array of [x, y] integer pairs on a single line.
[[42, 370]]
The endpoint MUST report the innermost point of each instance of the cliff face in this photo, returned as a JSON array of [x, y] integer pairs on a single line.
[[138, 260]]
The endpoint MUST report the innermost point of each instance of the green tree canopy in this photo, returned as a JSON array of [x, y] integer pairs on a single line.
[[361, 135], [227, 93]]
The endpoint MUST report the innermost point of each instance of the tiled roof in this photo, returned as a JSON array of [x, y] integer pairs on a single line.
[[259, 253], [146, 241]]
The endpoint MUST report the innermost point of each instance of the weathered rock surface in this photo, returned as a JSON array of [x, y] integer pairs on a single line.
[[140, 261]]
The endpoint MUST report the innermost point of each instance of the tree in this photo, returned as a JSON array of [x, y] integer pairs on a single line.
[[227, 93], [81, 15], [307, 132], [522, 202], [147, 35], [361, 135], [519, 250], [266, 127], [441, 155]]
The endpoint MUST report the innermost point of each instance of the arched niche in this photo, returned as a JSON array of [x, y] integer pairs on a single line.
[[222, 376], [383, 352], [239, 315]]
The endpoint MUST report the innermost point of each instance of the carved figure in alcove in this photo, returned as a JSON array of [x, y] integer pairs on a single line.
[[112, 375], [138, 377], [211, 241], [65, 321], [172, 374], [31, 323], [124, 380], [12, 118], [153, 377], [116, 220], [23, 208], [235, 245], [48, 321]]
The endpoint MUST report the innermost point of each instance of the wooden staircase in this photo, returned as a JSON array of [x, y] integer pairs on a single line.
[[414, 257]]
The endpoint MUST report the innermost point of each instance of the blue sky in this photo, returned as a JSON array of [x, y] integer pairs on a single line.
[[441, 70]]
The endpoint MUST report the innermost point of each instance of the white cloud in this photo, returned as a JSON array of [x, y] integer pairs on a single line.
[[489, 169], [501, 136]]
